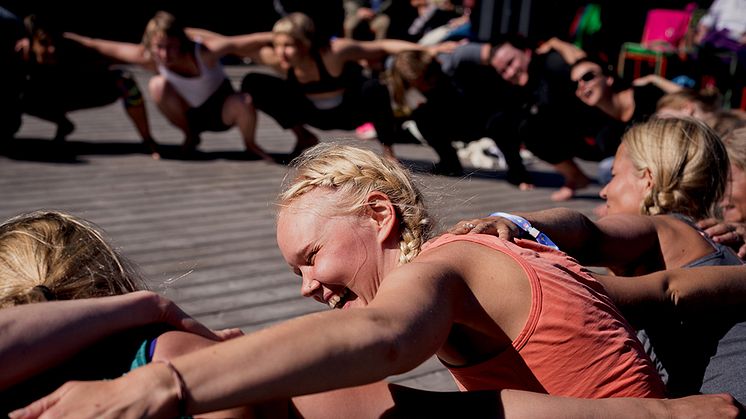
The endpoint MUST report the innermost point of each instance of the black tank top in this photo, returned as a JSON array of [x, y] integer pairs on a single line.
[[351, 75]]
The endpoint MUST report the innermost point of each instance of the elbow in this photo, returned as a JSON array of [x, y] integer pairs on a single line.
[[397, 353], [675, 297]]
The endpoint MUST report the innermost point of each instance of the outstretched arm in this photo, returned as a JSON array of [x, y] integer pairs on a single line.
[[682, 290], [613, 241], [353, 50], [28, 331], [660, 82], [121, 51], [569, 52], [313, 353], [381, 400], [256, 46]]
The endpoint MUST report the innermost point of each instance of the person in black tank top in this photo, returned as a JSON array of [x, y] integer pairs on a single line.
[[312, 93]]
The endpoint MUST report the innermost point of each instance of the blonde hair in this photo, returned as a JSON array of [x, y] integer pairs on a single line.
[[49, 255], [688, 164], [300, 27], [164, 23], [707, 101], [735, 144], [354, 173]]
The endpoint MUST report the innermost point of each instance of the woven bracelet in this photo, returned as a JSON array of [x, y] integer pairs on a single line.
[[181, 395]]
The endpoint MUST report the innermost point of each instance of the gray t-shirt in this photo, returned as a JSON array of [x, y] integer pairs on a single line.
[[467, 53]]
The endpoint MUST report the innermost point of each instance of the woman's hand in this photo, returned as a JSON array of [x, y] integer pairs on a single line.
[[496, 226], [730, 234], [704, 406], [149, 391], [159, 309]]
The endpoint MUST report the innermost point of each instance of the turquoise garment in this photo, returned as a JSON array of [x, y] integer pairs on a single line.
[[143, 357]]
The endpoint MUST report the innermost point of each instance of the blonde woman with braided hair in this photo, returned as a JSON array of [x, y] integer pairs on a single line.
[[667, 175], [685, 162], [499, 315]]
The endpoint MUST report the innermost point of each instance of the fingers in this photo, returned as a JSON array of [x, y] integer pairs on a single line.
[[175, 316], [725, 233], [707, 223], [227, 334], [464, 227], [37, 408]]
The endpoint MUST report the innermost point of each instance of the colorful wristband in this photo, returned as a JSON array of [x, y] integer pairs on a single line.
[[523, 223]]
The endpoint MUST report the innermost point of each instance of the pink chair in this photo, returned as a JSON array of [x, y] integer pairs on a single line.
[[663, 36]]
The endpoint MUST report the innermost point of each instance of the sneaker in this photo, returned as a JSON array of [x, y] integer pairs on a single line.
[[366, 131], [411, 126]]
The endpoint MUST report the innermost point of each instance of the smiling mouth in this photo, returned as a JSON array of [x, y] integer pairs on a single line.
[[339, 300]]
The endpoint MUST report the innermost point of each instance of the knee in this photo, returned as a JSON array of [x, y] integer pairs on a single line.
[[157, 88], [237, 106]]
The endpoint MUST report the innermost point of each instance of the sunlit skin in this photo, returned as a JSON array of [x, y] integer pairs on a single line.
[[333, 252], [734, 204], [590, 92], [512, 64], [627, 189]]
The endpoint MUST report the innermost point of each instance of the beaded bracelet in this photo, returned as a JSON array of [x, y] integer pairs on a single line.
[[523, 223], [181, 395]]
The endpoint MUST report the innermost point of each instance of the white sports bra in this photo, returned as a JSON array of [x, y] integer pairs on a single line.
[[196, 90]]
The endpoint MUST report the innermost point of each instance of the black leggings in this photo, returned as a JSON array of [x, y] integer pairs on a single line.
[[284, 102]]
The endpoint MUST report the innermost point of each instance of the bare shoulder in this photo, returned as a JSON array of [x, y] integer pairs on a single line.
[[468, 257], [495, 283], [670, 225], [175, 343]]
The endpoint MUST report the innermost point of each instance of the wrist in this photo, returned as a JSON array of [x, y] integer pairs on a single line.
[[145, 306], [526, 226], [174, 382]]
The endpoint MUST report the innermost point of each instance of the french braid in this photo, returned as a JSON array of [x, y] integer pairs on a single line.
[[687, 162], [355, 172]]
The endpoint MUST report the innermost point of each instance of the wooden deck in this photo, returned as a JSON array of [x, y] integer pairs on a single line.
[[202, 230]]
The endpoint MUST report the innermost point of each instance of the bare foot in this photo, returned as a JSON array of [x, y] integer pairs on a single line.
[[152, 147], [525, 186], [563, 194]]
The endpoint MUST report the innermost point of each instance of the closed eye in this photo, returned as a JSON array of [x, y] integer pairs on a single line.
[[311, 256]]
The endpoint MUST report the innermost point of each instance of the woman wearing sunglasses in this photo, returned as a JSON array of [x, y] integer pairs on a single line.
[[596, 85]]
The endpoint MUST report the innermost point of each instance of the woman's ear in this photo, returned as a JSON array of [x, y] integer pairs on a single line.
[[647, 177], [383, 214]]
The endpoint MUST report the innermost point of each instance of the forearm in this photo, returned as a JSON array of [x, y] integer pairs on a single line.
[[704, 288], [28, 331], [664, 84], [521, 404], [318, 352], [569, 52], [121, 51], [384, 47], [247, 45], [572, 231]]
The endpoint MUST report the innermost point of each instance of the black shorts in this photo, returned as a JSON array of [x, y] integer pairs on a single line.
[[209, 115]]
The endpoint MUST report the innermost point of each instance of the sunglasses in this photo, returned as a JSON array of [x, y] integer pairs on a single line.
[[586, 77]]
